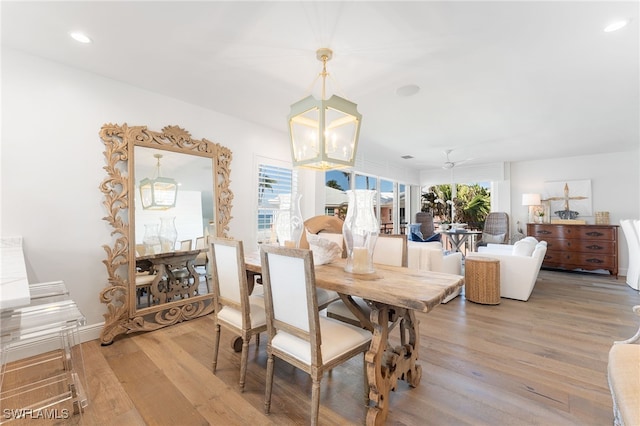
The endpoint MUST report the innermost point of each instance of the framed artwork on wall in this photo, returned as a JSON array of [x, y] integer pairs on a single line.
[[568, 199]]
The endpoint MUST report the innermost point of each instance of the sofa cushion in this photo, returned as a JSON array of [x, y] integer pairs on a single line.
[[523, 248], [490, 238]]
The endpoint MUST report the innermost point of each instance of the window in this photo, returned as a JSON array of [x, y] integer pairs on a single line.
[[391, 202], [273, 181]]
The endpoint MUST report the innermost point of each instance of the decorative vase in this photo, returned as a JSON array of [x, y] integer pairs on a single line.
[[168, 234], [151, 240], [289, 223], [360, 231]]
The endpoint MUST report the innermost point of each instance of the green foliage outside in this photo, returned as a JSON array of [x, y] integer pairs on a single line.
[[472, 204]]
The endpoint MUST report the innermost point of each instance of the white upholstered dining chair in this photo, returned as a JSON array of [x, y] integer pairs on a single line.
[[389, 250], [297, 333], [235, 309]]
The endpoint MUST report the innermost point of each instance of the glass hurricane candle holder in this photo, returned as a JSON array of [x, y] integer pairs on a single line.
[[360, 231], [289, 223]]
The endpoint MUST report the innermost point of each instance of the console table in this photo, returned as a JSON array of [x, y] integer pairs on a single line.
[[587, 247]]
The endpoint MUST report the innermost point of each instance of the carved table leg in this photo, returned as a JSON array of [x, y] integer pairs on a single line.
[[385, 365], [158, 296]]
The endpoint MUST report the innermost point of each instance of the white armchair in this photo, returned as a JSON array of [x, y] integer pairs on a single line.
[[431, 257], [519, 265]]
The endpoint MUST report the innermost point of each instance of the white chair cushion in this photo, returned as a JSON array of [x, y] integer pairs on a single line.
[[234, 317], [340, 309], [523, 248], [326, 296], [337, 338]]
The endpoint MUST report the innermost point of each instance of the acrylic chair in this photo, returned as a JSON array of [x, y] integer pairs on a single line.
[[297, 333], [235, 309], [496, 229], [389, 250], [633, 246]]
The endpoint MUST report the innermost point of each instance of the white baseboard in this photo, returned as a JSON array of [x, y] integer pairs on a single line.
[[85, 334]]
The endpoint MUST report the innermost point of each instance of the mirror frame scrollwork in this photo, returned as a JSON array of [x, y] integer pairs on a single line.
[[119, 296]]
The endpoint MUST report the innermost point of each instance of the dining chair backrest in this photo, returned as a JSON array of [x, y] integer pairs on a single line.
[[290, 293], [391, 250], [200, 243], [228, 274], [185, 245]]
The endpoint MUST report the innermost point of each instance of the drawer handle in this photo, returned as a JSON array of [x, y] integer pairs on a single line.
[[595, 234], [595, 261], [543, 231], [595, 247]]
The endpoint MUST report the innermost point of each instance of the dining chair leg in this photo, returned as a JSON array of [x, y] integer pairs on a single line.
[[366, 379], [244, 359], [315, 401], [216, 345], [269, 384]]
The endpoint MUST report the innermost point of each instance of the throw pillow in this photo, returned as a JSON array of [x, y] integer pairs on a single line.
[[523, 248], [324, 250], [434, 237], [493, 239], [416, 237]]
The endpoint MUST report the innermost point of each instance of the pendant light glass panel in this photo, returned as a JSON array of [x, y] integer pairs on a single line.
[[324, 134]]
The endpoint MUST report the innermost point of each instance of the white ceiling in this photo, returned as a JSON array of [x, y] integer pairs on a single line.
[[500, 81]]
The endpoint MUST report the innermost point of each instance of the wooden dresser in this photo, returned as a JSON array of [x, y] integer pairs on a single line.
[[587, 247]]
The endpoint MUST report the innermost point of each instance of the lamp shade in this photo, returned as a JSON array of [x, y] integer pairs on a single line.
[[530, 199], [324, 133]]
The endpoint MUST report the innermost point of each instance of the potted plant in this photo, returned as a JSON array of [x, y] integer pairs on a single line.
[[540, 216]]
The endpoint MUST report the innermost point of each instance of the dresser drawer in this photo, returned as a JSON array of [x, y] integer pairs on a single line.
[[579, 260], [586, 246], [591, 232]]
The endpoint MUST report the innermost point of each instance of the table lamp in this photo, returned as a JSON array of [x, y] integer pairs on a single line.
[[531, 200]]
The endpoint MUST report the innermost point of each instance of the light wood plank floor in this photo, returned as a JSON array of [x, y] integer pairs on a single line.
[[541, 362]]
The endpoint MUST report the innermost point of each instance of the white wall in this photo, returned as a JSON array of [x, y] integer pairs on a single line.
[[52, 165], [615, 179]]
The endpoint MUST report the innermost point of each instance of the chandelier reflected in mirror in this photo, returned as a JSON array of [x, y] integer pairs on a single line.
[[158, 193], [324, 133]]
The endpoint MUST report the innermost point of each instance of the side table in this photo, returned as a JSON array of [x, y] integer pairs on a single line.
[[482, 280]]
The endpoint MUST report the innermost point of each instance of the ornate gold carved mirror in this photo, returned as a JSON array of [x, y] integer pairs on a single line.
[[165, 193]]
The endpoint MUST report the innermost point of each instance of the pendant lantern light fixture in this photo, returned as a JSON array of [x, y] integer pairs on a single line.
[[324, 133], [159, 193]]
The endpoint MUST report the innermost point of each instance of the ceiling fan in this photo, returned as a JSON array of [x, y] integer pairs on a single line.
[[451, 164]]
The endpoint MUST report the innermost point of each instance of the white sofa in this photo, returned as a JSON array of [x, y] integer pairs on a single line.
[[519, 265], [431, 257]]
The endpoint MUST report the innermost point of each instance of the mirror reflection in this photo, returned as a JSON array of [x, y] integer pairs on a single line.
[[173, 216]]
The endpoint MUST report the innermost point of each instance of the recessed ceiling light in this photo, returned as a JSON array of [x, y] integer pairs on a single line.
[[407, 157], [80, 37], [408, 90], [615, 26]]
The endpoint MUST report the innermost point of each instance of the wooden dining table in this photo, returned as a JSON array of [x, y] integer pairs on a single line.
[[394, 294], [164, 265]]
